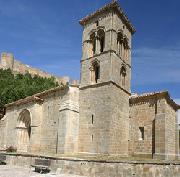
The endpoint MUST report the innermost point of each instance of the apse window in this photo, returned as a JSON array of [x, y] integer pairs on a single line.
[[141, 133]]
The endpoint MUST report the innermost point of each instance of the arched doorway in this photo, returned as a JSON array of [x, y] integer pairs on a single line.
[[23, 131]]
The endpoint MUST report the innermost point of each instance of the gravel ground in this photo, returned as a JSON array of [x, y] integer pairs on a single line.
[[13, 171]]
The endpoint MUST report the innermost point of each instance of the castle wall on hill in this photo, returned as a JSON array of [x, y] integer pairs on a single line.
[[9, 62]]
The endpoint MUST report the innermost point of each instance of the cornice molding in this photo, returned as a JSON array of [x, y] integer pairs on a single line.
[[107, 51], [111, 7], [103, 84]]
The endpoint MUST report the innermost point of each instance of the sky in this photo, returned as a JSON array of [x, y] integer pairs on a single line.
[[46, 34]]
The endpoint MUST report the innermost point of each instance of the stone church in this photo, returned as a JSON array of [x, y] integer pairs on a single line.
[[99, 116]]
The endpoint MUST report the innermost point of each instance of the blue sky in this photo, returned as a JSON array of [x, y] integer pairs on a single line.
[[46, 34]]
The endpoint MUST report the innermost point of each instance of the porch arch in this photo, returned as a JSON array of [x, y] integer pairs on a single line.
[[23, 130]]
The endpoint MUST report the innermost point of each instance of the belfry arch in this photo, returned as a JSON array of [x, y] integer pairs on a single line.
[[93, 43], [96, 42], [126, 48], [101, 40], [95, 71], [120, 41], [23, 131], [123, 76]]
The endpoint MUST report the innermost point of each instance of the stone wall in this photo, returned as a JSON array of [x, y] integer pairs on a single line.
[[54, 122], [96, 168], [171, 132], [158, 120], [9, 62], [141, 115], [108, 131]]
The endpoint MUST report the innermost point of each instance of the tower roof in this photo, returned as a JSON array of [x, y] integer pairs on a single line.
[[114, 5]]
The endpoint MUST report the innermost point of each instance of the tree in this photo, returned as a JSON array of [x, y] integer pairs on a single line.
[[15, 87]]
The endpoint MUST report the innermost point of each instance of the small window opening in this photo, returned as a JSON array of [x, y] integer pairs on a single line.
[[92, 138], [92, 119], [141, 133], [97, 73]]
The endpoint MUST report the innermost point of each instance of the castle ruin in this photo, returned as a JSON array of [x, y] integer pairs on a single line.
[[8, 61]]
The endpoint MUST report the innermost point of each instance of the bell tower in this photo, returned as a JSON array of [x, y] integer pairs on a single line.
[[105, 82]]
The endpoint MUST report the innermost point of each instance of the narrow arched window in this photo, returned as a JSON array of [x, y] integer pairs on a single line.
[[141, 133], [92, 119], [93, 42], [101, 37], [95, 71], [123, 76], [126, 48], [120, 44]]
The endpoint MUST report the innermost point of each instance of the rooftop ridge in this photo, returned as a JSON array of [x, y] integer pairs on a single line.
[[160, 94], [36, 97], [148, 94], [112, 5]]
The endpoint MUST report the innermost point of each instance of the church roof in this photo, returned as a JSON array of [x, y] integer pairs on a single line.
[[114, 5], [158, 95], [38, 97], [34, 98]]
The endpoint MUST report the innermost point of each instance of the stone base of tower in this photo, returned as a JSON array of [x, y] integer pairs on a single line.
[[104, 120]]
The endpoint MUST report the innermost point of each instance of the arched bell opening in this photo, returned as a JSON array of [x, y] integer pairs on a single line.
[[123, 76], [101, 37], [95, 71]]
